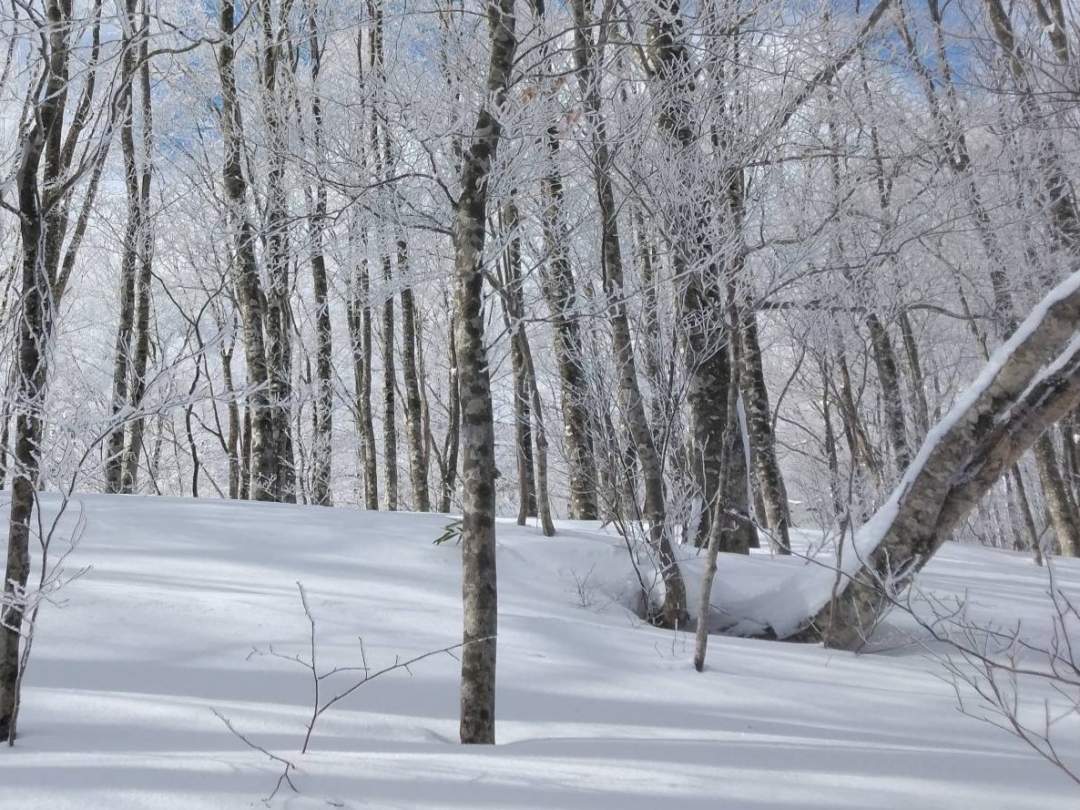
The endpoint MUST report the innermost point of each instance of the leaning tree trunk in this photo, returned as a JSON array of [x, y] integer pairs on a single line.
[[1028, 385], [1063, 514], [479, 591]]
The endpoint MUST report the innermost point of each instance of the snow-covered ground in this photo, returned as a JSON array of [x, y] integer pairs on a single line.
[[594, 709]]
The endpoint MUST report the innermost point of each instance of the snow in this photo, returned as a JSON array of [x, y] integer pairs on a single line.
[[594, 708], [785, 607]]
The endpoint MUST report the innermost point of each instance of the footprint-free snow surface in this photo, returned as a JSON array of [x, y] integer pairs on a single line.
[[595, 710]]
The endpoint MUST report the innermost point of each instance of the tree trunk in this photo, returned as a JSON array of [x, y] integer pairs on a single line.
[[390, 472], [233, 443], [278, 313], [141, 337], [1035, 383], [759, 425], [121, 402], [40, 231], [453, 429], [703, 291], [673, 611], [323, 439], [512, 312], [414, 408], [249, 295], [479, 590], [560, 293]]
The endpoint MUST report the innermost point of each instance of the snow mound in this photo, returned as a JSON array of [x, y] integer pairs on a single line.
[[595, 709]]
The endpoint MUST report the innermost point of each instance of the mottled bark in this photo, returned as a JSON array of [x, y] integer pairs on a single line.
[[738, 535], [916, 380], [277, 252], [121, 404], [414, 406], [723, 522], [249, 295], [759, 425], [233, 441], [543, 499], [323, 433], [360, 339], [479, 588], [1003, 421], [586, 59], [511, 297], [560, 293], [143, 305], [448, 464], [40, 233], [389, 392], [945, 115], [703, 278], [881, 348], [1059, 506]]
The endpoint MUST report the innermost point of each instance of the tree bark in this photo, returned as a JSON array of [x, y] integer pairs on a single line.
[[560, 293], [479, 587], [278, 310], [414, 406], [41, 231], [323, 439], [121, 402], [144, 302], [264, 469], [1035, 383], [673, 610]]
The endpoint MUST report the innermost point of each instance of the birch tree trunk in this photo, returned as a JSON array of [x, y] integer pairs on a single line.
[[389, 425], [263, 473], [360, 327], [144, 301], [39, 194], [759, 426], [586, 59], [448, 459], [121, 402], [702, 297], [323, 438], [278, 312], [1031, 383], [1063, 514], [560, 293], [479, 588], [414, 406], [512, 313]]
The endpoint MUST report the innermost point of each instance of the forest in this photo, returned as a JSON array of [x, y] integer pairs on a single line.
[[715, 320]]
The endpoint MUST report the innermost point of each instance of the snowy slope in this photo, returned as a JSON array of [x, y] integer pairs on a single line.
[[595, 710]]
